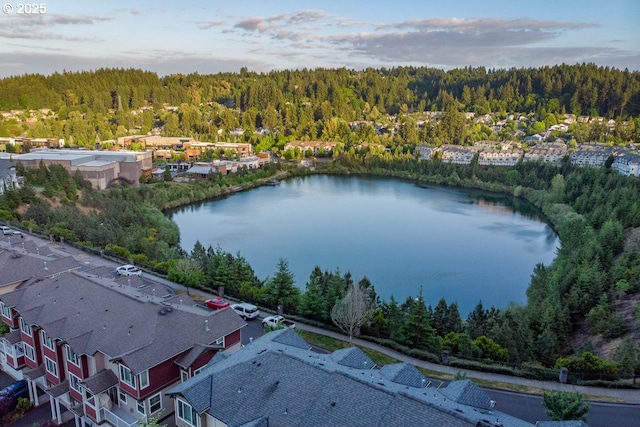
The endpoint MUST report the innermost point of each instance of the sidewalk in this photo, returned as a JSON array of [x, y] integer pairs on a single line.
[[628, 396]]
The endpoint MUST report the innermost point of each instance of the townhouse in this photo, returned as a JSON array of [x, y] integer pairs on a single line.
[[546, 152], [104, 352], [277, 380], [591, 155], [9, 178], [457, 154], [316, 147], [627, 163]]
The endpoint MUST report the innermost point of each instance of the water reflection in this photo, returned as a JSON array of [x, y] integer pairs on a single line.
[[459, 244]]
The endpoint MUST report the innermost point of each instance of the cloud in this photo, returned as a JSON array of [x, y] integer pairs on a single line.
[[43, 27], [205, 25], [163, 62]]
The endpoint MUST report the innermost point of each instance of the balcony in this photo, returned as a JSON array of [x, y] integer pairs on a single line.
[[118, 417]]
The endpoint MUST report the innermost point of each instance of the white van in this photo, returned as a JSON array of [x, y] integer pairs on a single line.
[[246, 310], [6, 230]]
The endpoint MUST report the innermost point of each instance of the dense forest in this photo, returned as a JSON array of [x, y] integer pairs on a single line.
[[321, 103], [587, 301]]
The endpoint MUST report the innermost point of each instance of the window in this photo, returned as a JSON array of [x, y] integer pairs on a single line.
[[184, 375], [72, 356], [186, 413], [51, 366], [144, 379], [25, 327], [126, 376], [47, 341], [197, 371], [74, 382], [6, 311], [155, 403], [122, 396], [29, 352], [220, 341], [140, 406]]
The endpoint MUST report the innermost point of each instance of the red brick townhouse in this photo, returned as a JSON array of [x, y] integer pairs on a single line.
[[105, 353]]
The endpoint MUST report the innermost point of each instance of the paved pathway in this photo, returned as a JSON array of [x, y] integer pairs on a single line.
[[628, 396]]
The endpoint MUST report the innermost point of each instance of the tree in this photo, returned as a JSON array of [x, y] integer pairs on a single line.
[[353, 311], [152, 422], [281, 289], [564, 405], [186, 271]]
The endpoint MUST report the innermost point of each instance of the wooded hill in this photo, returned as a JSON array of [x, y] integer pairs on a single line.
[[319, 103]]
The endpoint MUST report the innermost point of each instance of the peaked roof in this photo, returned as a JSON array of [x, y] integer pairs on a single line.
[[271, 383], [18, 267], [467, 393], [127, 327], [352, 357], [404, 373]]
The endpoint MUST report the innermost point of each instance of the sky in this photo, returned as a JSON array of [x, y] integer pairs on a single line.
[[211, 36]]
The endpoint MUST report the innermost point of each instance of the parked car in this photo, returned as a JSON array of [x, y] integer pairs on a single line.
[[6, 230], [217, 303], [129, 270], [10, 394], [246, 310], [277, 322]]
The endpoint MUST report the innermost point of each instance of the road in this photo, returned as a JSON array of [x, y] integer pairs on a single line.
[[529, 408], [524, 406]]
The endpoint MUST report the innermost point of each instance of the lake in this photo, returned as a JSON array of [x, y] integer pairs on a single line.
[[459, 244]]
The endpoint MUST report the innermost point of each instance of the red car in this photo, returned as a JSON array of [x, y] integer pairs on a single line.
[[217, 303]]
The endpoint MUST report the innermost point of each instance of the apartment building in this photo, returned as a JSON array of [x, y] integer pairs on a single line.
[[105, 352]]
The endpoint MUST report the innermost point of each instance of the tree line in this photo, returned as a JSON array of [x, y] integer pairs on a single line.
[[88, 107]]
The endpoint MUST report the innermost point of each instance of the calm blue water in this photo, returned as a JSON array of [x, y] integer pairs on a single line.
[[462, 245]]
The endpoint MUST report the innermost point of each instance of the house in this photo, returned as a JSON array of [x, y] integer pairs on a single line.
[[546, 152], [591, 155], [456, 154], [627, 163], [316, 147], [427, 151], [105, 352], [9, 178], [25, 261], [277, 380]]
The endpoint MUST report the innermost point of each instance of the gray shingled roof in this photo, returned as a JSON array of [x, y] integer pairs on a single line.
[[467, 393], [352, 357], [291, 338], [292, 386], [59, 389], [190, 356], [35, 372], [13, 337], [17, 267], [93, 317], [404, 373], [101, 381]]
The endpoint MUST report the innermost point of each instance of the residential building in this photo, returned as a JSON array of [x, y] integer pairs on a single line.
[[502, 157], [105, 352], [456, 154], [316, 147], [591, 155], [546, 152], [427, 151], [9, 178], [627, 163], [277, 380]]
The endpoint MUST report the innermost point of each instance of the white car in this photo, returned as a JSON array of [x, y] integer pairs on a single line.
[[129, 270], [246, 310]]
